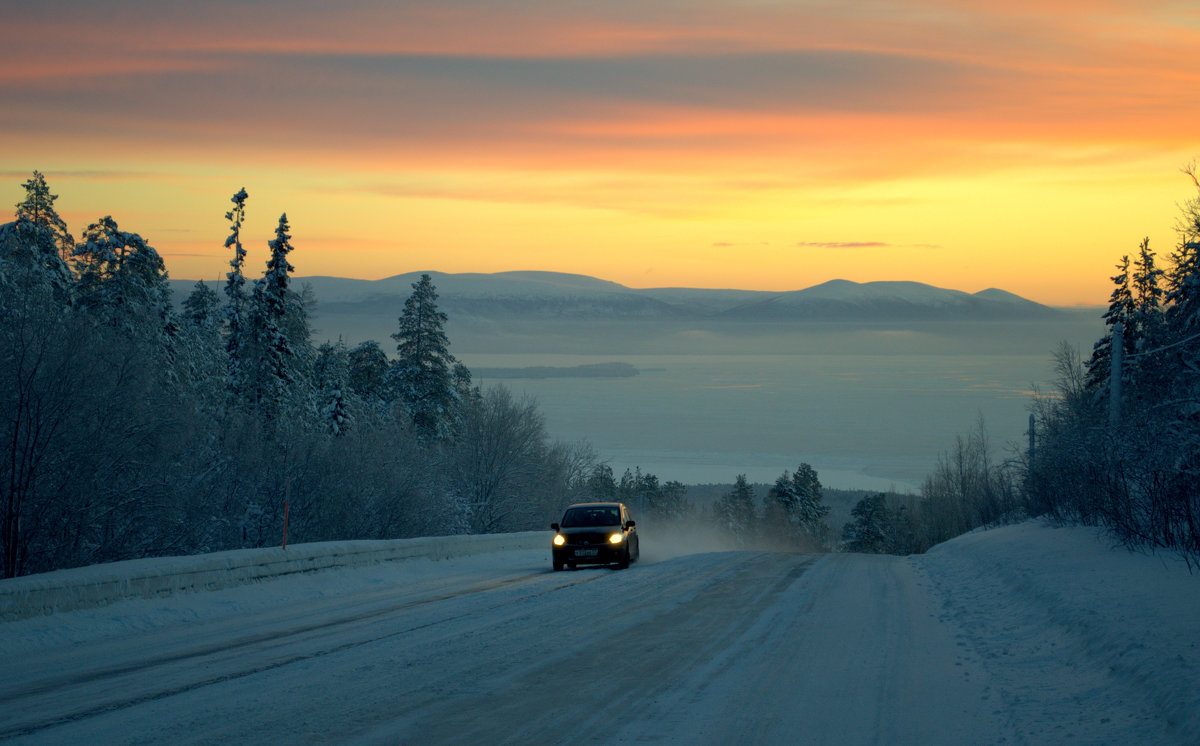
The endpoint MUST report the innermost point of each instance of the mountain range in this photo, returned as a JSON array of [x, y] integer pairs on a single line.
[[556, 296]]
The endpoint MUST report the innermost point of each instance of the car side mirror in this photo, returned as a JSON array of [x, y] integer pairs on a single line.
[[554, 526], [629, 524]]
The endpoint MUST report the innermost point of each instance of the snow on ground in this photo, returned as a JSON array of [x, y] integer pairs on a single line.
[[325, 588], [1087, 642], [1021, 634]]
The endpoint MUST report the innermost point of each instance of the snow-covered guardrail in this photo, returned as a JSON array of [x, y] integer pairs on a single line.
[[97, 585]]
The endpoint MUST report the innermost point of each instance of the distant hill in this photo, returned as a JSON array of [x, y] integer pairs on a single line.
[[557, 296], [842, 300]]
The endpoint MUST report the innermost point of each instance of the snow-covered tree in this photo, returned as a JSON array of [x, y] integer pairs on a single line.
[[235, 293], [200, 354], [332, 373], [38, 208], [368, 376], [200, 308], [277, 358], [869, 532], [1120, 311], [794, 510], [735, 511], [498, 461], [29, 257], [122, 280], [1183, 279], [643, 491], [423, 368]]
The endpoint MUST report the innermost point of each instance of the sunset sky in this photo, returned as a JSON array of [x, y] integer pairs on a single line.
[[1021, 144]]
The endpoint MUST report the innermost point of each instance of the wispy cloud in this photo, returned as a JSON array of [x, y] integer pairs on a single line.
[[863, 245], [843, 244]]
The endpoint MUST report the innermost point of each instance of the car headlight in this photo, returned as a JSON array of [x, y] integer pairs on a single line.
[[616, 538], [559, 540]]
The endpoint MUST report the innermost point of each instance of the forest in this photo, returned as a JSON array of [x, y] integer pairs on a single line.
[[136, 426], [133, 427]]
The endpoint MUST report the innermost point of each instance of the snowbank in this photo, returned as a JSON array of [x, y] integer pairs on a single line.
[[97, 585], [1076, 633]]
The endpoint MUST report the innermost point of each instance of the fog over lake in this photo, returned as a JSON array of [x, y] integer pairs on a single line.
[[869, 408]]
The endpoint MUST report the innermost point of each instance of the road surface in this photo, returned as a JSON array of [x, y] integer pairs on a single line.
[[735, 647]]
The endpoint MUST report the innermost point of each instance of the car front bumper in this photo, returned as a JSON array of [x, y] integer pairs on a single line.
[[594, 554]]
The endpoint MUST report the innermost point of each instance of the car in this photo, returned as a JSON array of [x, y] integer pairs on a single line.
[[598, 533]]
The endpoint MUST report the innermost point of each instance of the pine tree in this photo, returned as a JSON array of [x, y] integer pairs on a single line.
[[235, 309], [810, 509], [424, 363], [122, 280], [38, 208], [735, 511], [794, 509], [870, 529], [30, 259]]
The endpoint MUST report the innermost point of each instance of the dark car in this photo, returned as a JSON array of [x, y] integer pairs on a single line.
[[595, 534]]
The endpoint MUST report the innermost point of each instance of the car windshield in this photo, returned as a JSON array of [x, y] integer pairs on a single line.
[[593, 516]]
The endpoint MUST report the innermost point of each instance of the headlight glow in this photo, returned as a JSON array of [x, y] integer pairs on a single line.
[[616, 538], [559, 540]]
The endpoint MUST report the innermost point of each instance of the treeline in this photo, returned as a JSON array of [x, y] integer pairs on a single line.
[[131, 428], [1117, 444], [792, 514]]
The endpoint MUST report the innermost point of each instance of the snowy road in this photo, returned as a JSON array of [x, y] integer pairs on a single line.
[[735, 647], [731, 647]]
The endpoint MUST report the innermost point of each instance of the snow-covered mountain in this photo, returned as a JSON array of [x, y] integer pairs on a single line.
[[842, 300], [552, 295]]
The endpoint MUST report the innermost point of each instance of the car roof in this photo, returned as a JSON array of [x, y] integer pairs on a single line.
[[606, 503]]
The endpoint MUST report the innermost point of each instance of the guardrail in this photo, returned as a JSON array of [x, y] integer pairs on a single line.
[[97, 585]]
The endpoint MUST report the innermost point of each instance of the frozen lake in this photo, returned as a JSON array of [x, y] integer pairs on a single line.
[[869, 406], [863, 421]]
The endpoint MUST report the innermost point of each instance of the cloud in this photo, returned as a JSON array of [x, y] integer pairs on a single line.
[[842, 244], [863, 245]]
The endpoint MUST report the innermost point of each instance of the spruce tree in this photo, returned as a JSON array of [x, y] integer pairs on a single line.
[[332, 372], [424, 363], [273, 366], [1120, 311]]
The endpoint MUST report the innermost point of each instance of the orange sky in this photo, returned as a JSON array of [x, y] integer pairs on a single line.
[[712, 143]]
